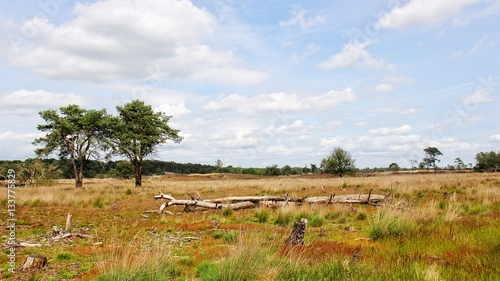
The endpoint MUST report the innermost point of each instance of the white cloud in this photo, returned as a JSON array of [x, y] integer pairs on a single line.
[[281, 102], [354, 54], [113, 39], [495, 138], [300, 18], [385, 131], [422, 12], [26, 102], [384, 88], [173, 110]]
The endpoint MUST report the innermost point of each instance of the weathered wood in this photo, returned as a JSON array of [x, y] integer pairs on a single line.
[[68, 223], [298, 231], [244, 202], [34, 262]]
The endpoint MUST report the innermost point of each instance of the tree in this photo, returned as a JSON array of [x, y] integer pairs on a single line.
[[431, 156], [339, 162], [459, 163], [394, 167], [75, 133], [138, 131], [219, 166], [413, 162], [488, 161], [272, 170]]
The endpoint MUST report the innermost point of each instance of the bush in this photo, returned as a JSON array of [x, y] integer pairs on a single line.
[[262, 215], [316, 221], [283, 218], [208, 271]]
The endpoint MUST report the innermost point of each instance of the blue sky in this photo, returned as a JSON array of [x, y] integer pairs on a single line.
[[256, 83]]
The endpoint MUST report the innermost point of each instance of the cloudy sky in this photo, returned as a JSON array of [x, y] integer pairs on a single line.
[[255, 83]]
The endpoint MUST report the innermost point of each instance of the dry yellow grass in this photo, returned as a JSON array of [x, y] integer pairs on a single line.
[[443, 207]]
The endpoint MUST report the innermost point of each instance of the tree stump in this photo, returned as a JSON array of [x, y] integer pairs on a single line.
[[34, 262], [297, 235]]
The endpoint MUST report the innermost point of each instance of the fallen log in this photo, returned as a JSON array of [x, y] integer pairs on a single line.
[[171, 201], [245, 202]]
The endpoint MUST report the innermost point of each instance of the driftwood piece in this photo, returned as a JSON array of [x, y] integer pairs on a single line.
[[34, 262], [298, 231]]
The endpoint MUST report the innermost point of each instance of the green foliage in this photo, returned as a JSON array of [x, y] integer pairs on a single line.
[[98, 203], [394, 167], [361, 217], [431, 157], [333, 270], [339, 162], [137, 132], [128, 192], [316, 221], [65, 256], [284, 218], [208, 271], [74, 133], [262, 215], [487, 161], [227, 212]]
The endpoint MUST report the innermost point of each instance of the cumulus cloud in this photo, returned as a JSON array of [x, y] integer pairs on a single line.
[[422, 13], [300, 18], [173, 110], [26, 102], [281, 102], [354, 54], [385, 131], [113, 39]]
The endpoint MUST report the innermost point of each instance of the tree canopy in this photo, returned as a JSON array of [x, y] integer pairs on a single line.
[[138, 131], [430, 159], [339, 162], [75, 133]]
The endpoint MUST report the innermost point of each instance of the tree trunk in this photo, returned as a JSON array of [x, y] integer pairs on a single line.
[[298, 231], [34, 262], [138, 173]]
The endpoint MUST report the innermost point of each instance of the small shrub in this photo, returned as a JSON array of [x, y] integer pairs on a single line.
[[361, 217], [217, 235], [208, 271], [64, 256], [262, 215], [442, 205], [98, 203], [316, 221], [345, 185], [283, 218], [231, 237], [188, 261], [227, 212], [128, 192], [169, 230]]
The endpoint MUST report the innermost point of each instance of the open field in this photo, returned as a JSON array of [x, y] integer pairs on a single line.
[[432, 227]]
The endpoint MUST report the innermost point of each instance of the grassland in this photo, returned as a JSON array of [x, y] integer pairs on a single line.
[[433, 227]]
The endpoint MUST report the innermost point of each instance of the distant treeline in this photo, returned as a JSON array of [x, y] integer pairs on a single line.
[[103, 169]]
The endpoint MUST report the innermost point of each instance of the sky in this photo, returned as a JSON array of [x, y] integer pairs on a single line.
[[256, 83]]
